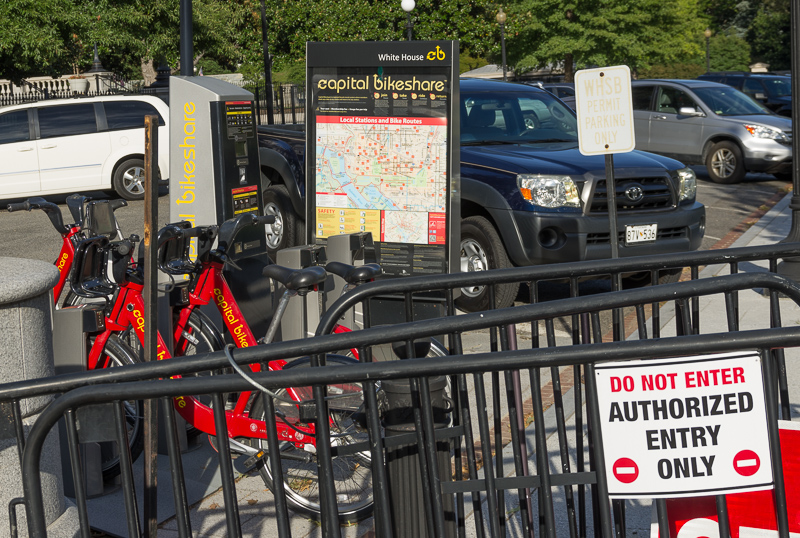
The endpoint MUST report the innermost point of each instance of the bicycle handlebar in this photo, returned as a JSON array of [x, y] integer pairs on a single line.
[[52, 210]]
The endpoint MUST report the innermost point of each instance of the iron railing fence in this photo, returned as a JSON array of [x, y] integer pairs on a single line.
[[288, 103], [288, 99], [519, 497]]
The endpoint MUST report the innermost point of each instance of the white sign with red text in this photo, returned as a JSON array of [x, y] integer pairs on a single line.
[[684, 427]]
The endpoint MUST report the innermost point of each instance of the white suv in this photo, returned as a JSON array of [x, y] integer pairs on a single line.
[[68, 145]]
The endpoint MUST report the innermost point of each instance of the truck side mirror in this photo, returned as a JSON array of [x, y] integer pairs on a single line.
[[760, 96]]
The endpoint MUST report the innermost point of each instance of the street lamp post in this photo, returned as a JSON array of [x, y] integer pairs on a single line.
[[707, 33], [501, 20], [267, 65], [408, 7]]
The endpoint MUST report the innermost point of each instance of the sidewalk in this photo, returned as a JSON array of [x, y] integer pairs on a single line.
[[255, 501]]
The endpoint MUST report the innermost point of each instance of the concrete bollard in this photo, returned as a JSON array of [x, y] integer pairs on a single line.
[[402, 462], [26, 352]]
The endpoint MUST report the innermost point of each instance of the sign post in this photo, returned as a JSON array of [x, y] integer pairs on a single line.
[[605, 125]]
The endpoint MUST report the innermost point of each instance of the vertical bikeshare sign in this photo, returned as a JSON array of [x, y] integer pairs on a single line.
[[381, 156], [684, 427]]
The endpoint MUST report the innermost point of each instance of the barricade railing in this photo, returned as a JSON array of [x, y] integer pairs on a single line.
[[486, 494]]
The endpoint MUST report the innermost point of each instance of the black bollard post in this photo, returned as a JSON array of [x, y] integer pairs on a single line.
[[407, 495]]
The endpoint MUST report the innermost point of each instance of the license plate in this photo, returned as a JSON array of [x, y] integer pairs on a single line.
[[644, 233]]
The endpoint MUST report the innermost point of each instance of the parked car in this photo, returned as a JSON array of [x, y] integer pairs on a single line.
[[774, 91], [68, 145], [703, 122]]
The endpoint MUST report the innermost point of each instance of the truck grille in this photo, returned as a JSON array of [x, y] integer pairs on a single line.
[[656, 194], [665, 233]]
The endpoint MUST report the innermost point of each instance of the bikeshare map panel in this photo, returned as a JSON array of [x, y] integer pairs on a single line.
[[381, 144], [382, 175]]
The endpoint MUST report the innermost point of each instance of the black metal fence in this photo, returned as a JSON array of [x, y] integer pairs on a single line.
[[505, 474], [288, 100]]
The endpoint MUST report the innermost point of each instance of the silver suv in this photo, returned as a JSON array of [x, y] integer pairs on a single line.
[[701, 122]]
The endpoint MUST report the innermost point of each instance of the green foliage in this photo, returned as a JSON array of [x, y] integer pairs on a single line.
[[468, 63], [637, 33], [676, 70], [211, 67], [653, 37], [729, 53], [57, 36], [770, 34], [36, 40]]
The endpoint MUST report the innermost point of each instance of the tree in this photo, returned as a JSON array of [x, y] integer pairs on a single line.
[[53, 37], [727, 52], [292, 24], [770, 34], [637, 33], [38, 37]]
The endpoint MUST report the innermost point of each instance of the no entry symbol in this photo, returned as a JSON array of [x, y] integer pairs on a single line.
[[746, 463], [626, 470]]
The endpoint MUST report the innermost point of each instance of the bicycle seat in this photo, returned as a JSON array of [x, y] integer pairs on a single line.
[[299, 280], [354, 274]]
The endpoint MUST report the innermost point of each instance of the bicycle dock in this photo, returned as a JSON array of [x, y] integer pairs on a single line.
[[552, 487]]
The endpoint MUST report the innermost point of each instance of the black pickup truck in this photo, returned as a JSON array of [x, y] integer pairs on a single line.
[[528, 196]]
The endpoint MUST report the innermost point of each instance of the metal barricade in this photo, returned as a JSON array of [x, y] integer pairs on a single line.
[[498, 486]]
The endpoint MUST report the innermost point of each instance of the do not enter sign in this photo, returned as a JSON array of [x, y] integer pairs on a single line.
[[626, 470], [746, 463], [683, 427]]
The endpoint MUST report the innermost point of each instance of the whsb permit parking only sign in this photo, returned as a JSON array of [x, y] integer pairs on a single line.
[[605, 110], [684, 427]]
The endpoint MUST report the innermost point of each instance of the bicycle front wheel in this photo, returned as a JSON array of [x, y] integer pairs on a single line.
[[352, 473], [115, 354]]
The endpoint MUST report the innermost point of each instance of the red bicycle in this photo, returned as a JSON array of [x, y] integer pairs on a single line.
[[246, 431], [91, 218]]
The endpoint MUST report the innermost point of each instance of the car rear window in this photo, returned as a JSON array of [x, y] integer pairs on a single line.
[[129, 114], [67, 120], [14, 127]]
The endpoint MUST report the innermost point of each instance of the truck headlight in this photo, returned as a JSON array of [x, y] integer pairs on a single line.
[[549, 191], [688, 186], [762, 131]]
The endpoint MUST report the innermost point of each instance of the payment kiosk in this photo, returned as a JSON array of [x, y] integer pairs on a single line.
[[215, 176]]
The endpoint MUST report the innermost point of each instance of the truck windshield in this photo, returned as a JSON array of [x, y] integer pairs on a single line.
[[729, 102], [515, 118]]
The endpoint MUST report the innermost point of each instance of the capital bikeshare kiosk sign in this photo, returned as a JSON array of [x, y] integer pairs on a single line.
[[214, 169], [382, 149], [684, 427]]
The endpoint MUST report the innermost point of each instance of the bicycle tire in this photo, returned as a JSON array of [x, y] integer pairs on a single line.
[[352, 473], [120, 354], [201, 336]]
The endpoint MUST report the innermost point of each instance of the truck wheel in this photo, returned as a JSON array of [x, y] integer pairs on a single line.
[[481, 250], [128, 179], [284, 232], [724, 163]]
